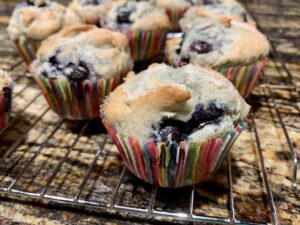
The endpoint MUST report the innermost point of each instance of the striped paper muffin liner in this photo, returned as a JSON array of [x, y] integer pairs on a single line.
[[175, 14], [76, 100], [27, 50], [174, 165], [5, 104], [144, 45], [244, 78]]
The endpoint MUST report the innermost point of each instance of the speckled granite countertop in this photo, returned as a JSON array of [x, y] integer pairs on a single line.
[[280, 20]]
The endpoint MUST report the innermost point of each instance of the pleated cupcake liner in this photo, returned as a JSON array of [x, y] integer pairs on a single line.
[[145, 45], [175, 14], [27, 50], [76, 100], [174, 165], [5, 104], [244, 78]]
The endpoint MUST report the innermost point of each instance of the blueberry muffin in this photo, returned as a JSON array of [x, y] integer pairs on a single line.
[[173, 109], [6, 88], [91, 11], [77, 67], [175, 9], [223, 12], [35, 20], [237, 50], [145, 25]]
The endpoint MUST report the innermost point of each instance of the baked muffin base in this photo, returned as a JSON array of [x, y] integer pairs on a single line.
[[243, 77], [174, 165], [145, 45], [76, 100], [175, 14], [27, 50]]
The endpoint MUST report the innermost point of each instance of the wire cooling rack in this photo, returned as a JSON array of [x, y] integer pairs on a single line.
[[11, 183], [11, 187]]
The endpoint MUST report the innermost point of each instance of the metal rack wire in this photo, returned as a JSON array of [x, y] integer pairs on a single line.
[[11, 188]]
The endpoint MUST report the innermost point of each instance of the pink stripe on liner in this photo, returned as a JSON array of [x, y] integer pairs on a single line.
[[113, 135], [140, 158], [153, 162], [185, 163], [221, 150], [212, 157], [131, 152]]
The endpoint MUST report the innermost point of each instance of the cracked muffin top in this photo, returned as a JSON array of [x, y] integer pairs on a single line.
[[82, 52], [38, 19], [133, 15], [90, 8], [167, 104], [214, 45]]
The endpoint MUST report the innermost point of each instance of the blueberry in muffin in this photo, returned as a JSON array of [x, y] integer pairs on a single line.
[[215, 45], [35, 20], [145, 25], [38, 19], [132, 15], [91, 11], [83, 52], [165, 104], [77, 67]]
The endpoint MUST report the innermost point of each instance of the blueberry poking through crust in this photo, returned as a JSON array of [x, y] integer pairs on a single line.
[[53, 60], [200, 47], [32, 2], [244, 16], [176, 130], [210, 2], [90, 2], [207, 2], [124, 14], [170, 133], [79, 72], [201, 115]]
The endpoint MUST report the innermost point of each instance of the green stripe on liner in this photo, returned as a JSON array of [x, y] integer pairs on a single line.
[[147, 163], [190, 164], [49, 93], [122, 136]]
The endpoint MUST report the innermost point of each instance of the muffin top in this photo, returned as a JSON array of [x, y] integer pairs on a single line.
[[223, 12], [184, 3], [213, 44], [90, 8], [38, 19], [163, 103], [132, 15], [82, 52], [4, 80]]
